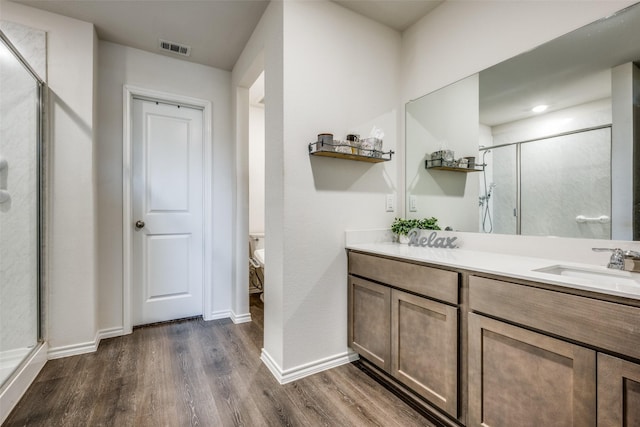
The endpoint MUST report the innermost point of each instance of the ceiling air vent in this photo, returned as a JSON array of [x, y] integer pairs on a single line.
[[179, 49]]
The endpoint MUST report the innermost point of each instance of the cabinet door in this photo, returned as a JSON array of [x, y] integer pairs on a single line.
[[369, 321], [618, 392], [522, 378], [424, 348]]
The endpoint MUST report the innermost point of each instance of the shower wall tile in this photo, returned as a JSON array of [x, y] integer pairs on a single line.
[[565, 177], [31, 43]]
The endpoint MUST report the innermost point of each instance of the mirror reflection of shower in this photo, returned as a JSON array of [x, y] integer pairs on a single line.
[[485, 196], [543, 186]]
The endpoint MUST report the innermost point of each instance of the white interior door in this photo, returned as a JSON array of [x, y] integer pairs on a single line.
[[167, 173]]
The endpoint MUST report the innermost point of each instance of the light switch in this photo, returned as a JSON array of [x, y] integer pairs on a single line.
[[390, 203], [412, 204]]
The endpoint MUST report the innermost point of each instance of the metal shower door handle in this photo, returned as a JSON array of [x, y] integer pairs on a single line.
[[139, 224]]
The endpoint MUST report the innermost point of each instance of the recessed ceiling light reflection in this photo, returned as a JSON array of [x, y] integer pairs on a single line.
[[539, 108]]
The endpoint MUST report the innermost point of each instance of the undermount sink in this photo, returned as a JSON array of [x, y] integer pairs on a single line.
[[598, 277]]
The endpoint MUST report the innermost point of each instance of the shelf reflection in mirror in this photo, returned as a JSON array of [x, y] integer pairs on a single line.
[[543, 169]]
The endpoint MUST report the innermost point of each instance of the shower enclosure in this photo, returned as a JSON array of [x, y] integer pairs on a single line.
[[553, 186], [21, 92]]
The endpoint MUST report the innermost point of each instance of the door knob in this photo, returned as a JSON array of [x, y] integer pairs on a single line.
[[139, 224]]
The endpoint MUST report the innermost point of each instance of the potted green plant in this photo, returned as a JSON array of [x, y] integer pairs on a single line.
[[428, 224], [402, 226]]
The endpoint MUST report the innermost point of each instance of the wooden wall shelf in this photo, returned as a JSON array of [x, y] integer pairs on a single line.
[[369, 156], [452, 169]]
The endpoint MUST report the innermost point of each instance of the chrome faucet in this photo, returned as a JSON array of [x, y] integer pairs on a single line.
[[618, 256]]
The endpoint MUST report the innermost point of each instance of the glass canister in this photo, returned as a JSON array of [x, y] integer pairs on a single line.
[[325, 142], [354, 141], [371, 147]]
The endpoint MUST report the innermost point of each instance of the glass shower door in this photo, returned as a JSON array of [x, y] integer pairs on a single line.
[[566, 185], [20, 116]]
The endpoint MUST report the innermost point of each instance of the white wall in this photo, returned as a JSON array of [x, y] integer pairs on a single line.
[[263, 52], [256, 169], [316, 87], [71, 246], [340, 87], [120, 65]]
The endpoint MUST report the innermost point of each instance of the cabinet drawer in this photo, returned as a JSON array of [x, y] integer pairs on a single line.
[[607, 325], [427, 281]]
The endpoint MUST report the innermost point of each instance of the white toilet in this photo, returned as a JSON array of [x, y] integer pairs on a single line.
[[258, 255], [256, 263]]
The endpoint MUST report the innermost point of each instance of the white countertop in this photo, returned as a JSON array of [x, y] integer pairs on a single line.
[[614, 282]]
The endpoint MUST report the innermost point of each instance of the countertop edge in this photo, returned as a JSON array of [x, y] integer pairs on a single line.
[[504, 265]]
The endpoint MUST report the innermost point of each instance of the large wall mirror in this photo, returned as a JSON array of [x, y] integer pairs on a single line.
[[551, 138]]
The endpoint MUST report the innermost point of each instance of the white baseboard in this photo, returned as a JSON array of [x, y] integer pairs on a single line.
[[86, 347], [13, 391], [72, 350], [108, 333], [240, 318], [301, 371], [215, 315]]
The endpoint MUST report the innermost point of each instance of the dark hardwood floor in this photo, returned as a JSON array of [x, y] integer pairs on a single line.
[[196, 373]]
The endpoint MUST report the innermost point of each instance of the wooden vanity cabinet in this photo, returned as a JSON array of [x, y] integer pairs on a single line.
[[483, 350], [618, 392], [394, 325], [522, 378], [540, 357]]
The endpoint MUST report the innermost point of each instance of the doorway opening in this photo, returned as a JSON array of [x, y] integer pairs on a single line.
[[256, 160]]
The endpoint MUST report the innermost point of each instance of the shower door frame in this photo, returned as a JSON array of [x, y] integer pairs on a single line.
[[30, 366], [39, 170]]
